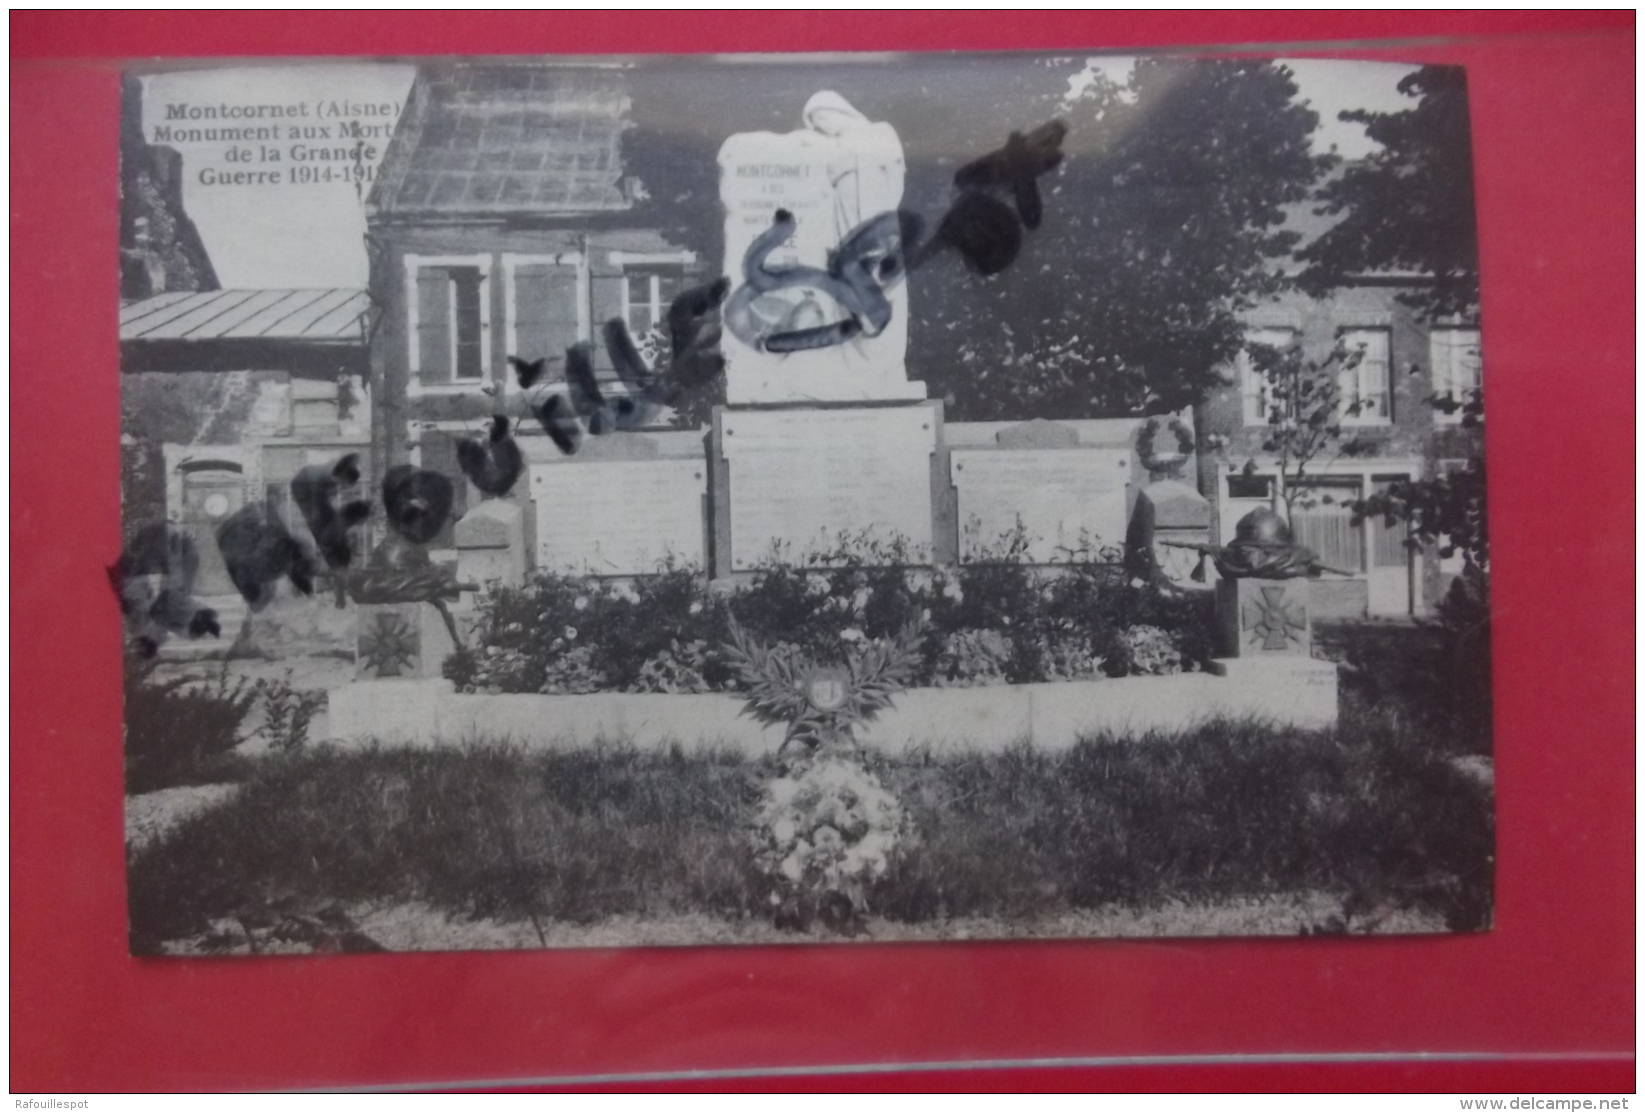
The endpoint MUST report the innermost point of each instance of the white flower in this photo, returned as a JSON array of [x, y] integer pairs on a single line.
[[816, 584], [953, 590], [783, 830], [860, 599], [695, 608], [580, 603], [570, 633], [792, 868], [851, 634], [925, 615], [1138, 581]]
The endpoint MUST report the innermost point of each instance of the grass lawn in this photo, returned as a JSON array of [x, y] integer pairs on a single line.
[[1372, 815]]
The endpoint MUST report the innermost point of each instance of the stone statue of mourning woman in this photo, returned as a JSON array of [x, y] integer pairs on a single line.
[[818, 310]]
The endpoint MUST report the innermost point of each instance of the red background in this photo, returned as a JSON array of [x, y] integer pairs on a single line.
[[1553, 97]]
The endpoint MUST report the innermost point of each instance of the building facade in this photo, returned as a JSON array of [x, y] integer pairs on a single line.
[[1388, 412], [502, 225]]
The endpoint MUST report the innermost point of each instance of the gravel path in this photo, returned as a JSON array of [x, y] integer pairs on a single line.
[[418, 927]]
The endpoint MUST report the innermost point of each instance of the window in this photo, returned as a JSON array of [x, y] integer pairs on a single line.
[[647, 294], [647, 284], [1458, 372], [1367, 382], [547, 298], [450, 320], [1251, 487], [1254, 389]]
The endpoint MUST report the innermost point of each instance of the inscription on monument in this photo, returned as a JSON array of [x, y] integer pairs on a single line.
[[619, 517], [1062, 498], [802, 479]]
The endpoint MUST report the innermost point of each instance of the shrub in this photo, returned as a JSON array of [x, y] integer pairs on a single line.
[[992, 621], [181, 731], [972, 659], [1148, 651], [287, 713], [1437, 671]]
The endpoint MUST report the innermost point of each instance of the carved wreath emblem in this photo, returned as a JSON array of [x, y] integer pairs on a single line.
[[1276, 619]]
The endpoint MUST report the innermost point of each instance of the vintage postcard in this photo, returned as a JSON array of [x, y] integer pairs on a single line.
[[755, 499]]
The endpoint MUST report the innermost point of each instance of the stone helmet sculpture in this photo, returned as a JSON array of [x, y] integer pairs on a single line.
[[1262, 549]]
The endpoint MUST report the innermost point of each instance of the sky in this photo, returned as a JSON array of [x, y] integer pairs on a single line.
[[262, 234], [1331, 86]]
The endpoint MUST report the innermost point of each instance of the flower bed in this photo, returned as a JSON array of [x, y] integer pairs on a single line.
[[1000, 622]]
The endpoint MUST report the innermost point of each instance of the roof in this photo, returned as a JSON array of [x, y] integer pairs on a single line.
[[314, 315], [498, 139]]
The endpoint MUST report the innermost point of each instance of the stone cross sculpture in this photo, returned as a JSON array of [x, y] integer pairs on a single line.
[[813, 249]]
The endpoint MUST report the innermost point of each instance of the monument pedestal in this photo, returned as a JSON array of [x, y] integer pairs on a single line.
[[1264, 618], [792, 484], [1267, 633], [1169, 510], [408, 640], [491, 544]]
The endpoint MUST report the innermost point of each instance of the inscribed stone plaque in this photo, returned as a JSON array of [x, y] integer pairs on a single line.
[[831, 176], [619, 517], [803, 479], [1065, 500]]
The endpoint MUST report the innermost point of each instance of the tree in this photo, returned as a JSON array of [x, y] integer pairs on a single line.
[[1305, 412], [1162, 225], [1410, 205], [1163, 222], [1446, 511]]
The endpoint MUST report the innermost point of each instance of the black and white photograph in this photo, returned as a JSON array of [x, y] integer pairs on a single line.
[[769, 499]]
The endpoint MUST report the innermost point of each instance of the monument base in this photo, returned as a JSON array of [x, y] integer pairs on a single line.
[[764, 385], [795, 485], [1297, 691]]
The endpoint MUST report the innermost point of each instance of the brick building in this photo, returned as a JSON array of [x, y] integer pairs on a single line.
[[1404, 362], [502, 224]]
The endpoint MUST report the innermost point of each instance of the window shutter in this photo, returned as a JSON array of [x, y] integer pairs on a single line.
[[1373, 376], [1387, 541], [466, 293], [433, 337], [1251, 391], [606, 292], [545, 313]]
